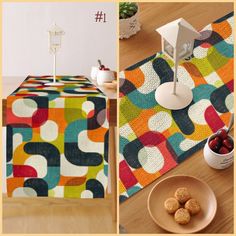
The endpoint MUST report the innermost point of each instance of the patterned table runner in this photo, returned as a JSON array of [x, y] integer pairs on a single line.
[[57, 139], [153, 140]]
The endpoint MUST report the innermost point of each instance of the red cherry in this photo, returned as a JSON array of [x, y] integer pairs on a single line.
[[214, 145], [228, 143], [101, 67], [222, 133], [218, 139], [106, 69], [223, 150]]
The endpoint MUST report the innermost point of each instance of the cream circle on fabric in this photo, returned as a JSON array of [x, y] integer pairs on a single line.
[[24, 192], [151, 159], [24, 107], [86, 194], [229, 102], [196, 112], [69, 169], [39, 163], [160, 122], [49, 131]]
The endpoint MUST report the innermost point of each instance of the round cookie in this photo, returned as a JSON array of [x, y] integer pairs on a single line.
[[182, 216], [193, 206], [182, 195], [171, 205]]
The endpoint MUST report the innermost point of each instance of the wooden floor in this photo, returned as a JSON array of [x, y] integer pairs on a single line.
[[134, 216], [47, 215]]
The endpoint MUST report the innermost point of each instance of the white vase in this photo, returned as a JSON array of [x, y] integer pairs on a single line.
[[215, 160], [129, 26], [104, 76]]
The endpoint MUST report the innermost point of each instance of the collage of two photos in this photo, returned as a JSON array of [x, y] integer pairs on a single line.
[[118, 117]]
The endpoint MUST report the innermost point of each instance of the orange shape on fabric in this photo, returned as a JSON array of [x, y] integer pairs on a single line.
[[13, 183], [194, 73], [225, 117], [97, 135], [226, 72], [71, 180], [166, 133], [145, 178], [58, 116], [135, 76], [140, 124], [223, 29]]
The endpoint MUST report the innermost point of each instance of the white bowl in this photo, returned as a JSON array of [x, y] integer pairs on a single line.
[[104, 76], [215, 160]]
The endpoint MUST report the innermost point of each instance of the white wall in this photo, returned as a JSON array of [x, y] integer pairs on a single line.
[[25, 39]]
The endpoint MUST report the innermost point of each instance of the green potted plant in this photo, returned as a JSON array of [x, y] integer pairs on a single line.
[[128, 19]]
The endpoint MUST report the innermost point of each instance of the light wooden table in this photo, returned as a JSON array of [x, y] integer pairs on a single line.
[[82, 215], [153, 15], [134, 215]]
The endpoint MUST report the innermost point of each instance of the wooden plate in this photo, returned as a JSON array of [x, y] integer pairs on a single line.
[[198, 190]]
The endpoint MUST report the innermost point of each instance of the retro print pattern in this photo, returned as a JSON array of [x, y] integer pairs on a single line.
[[153, 140], [57, 139]]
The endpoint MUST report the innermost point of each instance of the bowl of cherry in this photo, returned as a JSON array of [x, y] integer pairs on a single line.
[[104, 74], [219, 150]]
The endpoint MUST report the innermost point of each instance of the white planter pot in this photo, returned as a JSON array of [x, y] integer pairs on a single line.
[[129, 26]]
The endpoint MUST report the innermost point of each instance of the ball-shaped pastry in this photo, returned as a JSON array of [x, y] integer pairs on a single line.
[[182, 195], [182, 216], [193, 206], [171, 205]]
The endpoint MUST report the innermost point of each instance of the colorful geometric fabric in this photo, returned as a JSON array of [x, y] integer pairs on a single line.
[[153, 140], [57, 139]]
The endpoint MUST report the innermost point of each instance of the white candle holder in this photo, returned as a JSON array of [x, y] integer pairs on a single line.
[[177, 43], [55, 36]]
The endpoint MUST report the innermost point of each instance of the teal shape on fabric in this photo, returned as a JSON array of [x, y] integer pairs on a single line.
[[53, 176], [133, 190], [73, 129], [105, 167], [175, 141], [25, 132], [123, 143], [202, 91], [53, 96], [225, 49], [9, 169], [66, 77], [143, 101]]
